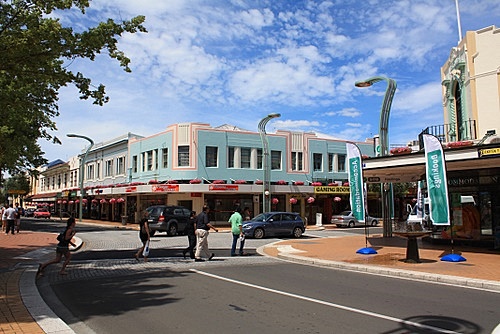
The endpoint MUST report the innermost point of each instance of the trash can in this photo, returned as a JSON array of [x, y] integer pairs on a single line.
[[319, 219], [124, 220]]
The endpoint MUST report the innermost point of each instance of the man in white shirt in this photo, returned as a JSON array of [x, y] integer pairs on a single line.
[[10, 216]]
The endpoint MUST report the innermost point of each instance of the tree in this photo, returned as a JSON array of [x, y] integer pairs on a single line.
[[34, 49]]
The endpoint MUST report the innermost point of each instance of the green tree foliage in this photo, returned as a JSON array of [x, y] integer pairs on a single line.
[[34, 49], [18, 185]]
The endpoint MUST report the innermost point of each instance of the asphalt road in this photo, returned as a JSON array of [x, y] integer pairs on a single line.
[[111, 293]]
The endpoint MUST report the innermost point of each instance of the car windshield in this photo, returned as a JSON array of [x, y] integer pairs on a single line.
[[345, 213]]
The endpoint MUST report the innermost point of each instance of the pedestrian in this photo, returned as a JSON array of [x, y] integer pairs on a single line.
[[236, 221], [10, 216], [190, 231], [19, 214], [144, 236], [246, 213], [62, 248], [203, 227], [4, 220]]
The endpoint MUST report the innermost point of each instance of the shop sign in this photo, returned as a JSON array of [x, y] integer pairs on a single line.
[[195, 194], [463, 181], [165, 188], [489, 152], [223, 187], [15, 191], [332, 190], [130, 189]]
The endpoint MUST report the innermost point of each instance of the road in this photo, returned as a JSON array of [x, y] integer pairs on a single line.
[[108, 292]]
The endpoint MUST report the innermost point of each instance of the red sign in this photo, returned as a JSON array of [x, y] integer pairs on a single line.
[[195, 194], [130, 189], [223, 187], [165, 188]]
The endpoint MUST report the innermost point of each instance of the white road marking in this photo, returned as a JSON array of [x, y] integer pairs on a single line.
[[288, 249], [322, 302]]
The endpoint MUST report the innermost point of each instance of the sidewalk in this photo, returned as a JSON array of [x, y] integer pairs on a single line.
[[481, 270]]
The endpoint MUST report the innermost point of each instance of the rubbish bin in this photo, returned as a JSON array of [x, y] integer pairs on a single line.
[[124, 220], [319, 219]]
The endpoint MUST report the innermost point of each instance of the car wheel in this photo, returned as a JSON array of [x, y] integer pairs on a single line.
[[351, 224], [258, 233], [172, 230], [374, 222], [297, 232], [338, 225]]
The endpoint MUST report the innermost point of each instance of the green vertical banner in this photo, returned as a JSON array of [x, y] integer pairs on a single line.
[[355, 173], [437, 184]]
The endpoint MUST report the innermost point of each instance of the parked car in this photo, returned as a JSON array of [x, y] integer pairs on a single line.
[[346, 219], [41, 213], [167, 218], [274, 224], [29, 212]]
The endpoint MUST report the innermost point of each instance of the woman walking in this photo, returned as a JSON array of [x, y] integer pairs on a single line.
[[62, 248], [144, 236]]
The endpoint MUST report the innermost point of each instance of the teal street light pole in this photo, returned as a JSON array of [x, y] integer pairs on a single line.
[[386, 188], [80, 174], [266, 165]]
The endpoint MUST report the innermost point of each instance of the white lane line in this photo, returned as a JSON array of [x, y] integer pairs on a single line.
[[322, 302]]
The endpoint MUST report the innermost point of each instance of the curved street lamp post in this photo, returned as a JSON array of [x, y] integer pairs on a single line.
[[80, 175], [386, 188], [266, 166]]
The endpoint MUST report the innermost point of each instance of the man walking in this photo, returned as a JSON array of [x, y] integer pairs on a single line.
[[237, 231], [202, 227], [10, 216]]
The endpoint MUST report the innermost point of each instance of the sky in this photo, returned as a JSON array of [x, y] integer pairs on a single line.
[[235, 61]]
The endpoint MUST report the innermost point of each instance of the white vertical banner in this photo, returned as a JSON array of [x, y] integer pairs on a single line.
[[437, 184], [420, 201], [355, 173]]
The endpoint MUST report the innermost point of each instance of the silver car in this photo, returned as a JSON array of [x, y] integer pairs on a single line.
[[346, 219]]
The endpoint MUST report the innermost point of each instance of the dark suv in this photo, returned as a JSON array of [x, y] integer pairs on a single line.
[[168, 218]]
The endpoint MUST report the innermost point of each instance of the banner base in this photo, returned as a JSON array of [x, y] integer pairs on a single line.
[[366, 250], [453, 258]]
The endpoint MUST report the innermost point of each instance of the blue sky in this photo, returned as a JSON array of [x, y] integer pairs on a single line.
[[235, 61]]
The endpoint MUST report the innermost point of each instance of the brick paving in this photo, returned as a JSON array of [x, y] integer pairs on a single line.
[[481, 265]]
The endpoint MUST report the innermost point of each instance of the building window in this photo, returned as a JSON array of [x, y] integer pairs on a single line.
[[297, 164], [259, 158], [245, 157], [230, 157], [341, 163], [318, 162], [164, 155], [90, 172], [275, 160], [108, 171], [211, 156], [120, 166], [330, 162], [98, 170], [183, 156], [150, 160], [134, 164]]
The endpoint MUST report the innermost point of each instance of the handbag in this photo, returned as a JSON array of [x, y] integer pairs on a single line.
[[145, 252]]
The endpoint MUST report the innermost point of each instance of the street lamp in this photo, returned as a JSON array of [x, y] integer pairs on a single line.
[[266, 166], [384, 143], [80, 175]]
